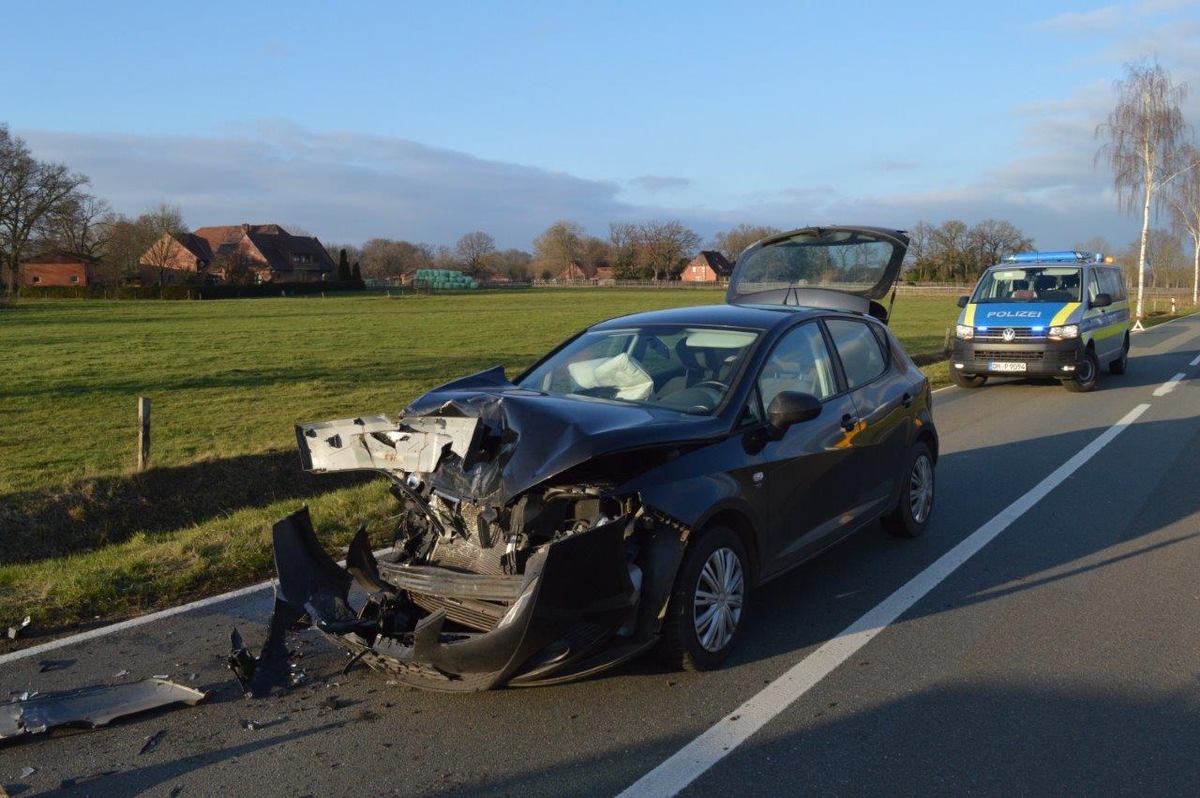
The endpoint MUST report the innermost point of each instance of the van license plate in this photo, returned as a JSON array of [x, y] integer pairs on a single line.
[[1006, 366]]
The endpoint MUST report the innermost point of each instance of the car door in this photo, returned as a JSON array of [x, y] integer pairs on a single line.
[[806, 471], [881, 398]]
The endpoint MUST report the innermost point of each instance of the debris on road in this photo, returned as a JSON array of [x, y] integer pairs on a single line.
[[258, 675], [152, 741], [90, 706], [16, 631]]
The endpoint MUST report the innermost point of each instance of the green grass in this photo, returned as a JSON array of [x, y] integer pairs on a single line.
[[83, 535]]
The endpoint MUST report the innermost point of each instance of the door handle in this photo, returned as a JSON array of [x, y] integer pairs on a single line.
[[849, 422], [906, 400]]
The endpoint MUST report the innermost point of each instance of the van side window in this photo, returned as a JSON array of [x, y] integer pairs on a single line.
[[862, 357], [1111, 284], [1093, 285]]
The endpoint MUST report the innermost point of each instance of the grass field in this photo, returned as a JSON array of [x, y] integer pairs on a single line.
[[83, 536]]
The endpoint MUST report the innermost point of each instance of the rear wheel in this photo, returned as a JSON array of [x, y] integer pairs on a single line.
[[912, 510], [966, 380], [707, 607], [1119, 365], [1086, 374]]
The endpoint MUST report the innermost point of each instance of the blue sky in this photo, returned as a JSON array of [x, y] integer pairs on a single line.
[[428, 121]]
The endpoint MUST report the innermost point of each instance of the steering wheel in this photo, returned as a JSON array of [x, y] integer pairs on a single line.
[[716, 384]]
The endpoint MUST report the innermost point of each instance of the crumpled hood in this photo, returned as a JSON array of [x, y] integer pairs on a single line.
[[532, 436]]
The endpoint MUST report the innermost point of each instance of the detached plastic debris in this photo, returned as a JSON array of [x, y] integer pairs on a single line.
[[90, 706], [15, 631], [258, 675]]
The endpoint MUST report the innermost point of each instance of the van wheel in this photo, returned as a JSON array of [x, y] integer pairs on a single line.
[[1086, 374], [1119, 365], [966, 380], [706, 611], [911, 513]]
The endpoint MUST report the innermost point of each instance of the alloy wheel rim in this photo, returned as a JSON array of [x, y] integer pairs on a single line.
[[720, 592], [920, 489]]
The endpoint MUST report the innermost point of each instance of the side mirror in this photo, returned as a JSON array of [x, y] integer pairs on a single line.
[[1101, 301], [792, 407], [963, 300]]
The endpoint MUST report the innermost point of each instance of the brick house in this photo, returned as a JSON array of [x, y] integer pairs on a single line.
[[578, 271], [707, 267], [252, 252], [59, 268]]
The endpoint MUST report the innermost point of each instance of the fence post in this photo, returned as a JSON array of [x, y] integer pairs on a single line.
[[143, 433]]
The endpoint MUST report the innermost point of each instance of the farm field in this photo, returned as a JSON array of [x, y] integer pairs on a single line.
[[84, 537]]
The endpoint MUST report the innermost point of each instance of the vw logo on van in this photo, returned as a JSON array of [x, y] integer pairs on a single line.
[[1009, 334]]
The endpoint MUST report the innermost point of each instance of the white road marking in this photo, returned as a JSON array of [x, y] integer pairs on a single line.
[[735, 728], [1195, 362], [1169, 385], [102, 631]]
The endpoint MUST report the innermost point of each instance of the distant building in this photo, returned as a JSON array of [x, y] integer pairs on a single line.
[[236, 253], [59, 268], [578, 271], [707, 267]]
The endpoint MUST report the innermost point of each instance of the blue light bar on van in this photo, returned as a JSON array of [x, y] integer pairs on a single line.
[[1056, 256]]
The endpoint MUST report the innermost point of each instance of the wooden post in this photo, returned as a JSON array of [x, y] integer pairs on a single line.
[[143, 433]]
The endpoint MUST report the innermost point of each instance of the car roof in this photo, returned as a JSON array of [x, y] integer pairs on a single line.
[[759, 317]]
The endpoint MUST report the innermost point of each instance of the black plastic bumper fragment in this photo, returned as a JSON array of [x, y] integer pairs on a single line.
[[582, 578]]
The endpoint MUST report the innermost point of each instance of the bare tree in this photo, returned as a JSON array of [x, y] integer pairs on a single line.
[[473, 249], [560, 244], [383, 257], [1144, 135], [78, 225], [162, 225], [733, 243], [1185, 210], [31, 191], [666, 247]]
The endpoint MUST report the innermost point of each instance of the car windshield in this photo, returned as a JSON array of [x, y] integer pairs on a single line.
[[685, 368], [1029, 284]]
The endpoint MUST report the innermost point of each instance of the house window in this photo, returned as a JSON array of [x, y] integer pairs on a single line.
[[35, 279], [74, 278]]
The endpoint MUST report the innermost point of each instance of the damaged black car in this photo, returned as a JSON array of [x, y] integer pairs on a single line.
[[630, 490]]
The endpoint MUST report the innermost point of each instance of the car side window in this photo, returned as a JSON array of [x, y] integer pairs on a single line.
[[858, 348], [799, 362]]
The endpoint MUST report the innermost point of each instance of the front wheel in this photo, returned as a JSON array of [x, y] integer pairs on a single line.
[[1120, 365], [1086, 374], [912, 510], [966, 380], [707, 607]]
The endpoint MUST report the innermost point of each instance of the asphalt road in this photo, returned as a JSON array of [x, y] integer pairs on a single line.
[[1062, 658]]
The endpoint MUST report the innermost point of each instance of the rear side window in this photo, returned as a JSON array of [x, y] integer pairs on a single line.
[[863, 359]]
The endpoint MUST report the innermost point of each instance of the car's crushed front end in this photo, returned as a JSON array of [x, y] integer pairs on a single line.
[[519, 557]]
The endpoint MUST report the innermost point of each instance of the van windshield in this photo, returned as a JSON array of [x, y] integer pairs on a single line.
[[1029, 284]]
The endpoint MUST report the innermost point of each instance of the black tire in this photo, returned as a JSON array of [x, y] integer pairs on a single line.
[[915, 504], [966, 380], [1121, 364], [1086, 374], [716, 557]]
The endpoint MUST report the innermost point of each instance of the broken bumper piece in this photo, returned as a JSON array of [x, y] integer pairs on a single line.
[[446, 629], [91, 706]]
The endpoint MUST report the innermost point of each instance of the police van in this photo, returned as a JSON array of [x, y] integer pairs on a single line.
[[1043, 314]]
